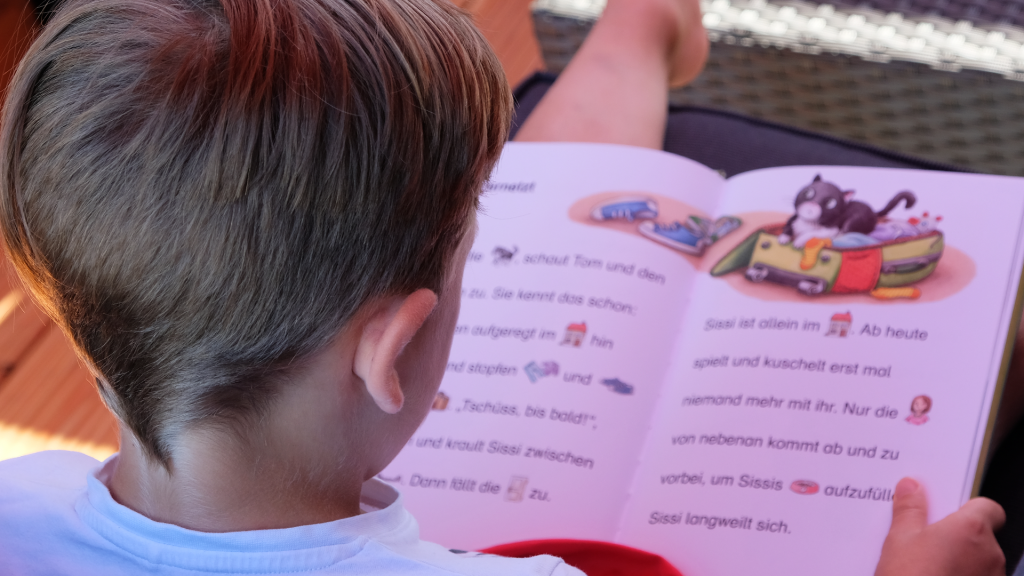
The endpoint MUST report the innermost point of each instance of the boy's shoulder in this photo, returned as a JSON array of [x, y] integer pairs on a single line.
[[47, 462], [39, 528], [44, 496], [50, 477]]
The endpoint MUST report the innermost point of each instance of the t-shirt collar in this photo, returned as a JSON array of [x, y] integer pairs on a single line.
[[299, 548]]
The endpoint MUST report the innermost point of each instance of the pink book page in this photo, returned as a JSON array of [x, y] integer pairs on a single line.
[[568, 320], [806, 382]]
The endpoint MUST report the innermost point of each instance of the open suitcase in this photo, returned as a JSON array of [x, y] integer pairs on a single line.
[[891, 264]]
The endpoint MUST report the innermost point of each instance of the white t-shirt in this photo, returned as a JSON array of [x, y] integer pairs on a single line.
[[57, 517]]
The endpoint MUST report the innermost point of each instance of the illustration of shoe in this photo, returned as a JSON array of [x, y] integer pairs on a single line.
[[676, 235], [723, 226], [618, 386], [628, 209], [503, 255], [712, 231], [550, 368], [534, 372]]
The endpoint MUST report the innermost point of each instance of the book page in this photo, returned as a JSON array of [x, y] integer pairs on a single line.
[[567, 321], [808, 381]]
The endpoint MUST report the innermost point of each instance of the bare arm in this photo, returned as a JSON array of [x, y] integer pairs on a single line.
[[615, 90]]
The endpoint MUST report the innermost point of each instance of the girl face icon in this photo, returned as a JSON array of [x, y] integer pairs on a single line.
[[919, 408], [921, 405]]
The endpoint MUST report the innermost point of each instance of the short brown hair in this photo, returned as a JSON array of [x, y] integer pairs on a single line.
[[203, 192]]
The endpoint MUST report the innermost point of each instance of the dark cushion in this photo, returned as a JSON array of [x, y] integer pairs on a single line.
[[735, 143]]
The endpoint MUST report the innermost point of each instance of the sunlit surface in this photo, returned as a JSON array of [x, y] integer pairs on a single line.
[[17, 441], [8, 303]]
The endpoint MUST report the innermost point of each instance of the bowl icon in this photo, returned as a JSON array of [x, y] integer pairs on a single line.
[[805, 487]]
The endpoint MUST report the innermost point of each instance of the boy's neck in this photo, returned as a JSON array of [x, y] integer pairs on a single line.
[[212, 489], [306, 457], [304, 463]]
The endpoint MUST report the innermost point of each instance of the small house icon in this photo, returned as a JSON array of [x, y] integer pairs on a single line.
[[840, 325], [574, 334]]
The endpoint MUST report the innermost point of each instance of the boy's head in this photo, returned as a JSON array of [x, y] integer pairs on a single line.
[[204, 193]]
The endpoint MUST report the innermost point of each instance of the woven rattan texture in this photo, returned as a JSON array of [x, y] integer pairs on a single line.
[[969, 119], [977, 11]]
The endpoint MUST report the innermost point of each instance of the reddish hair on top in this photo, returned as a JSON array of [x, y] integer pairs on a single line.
[[203, 192], [927, 403]]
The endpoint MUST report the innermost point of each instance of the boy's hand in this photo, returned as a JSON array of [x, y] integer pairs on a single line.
[[961, 544]]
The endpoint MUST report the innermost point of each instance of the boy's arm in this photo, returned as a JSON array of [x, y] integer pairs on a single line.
[[961, 544]]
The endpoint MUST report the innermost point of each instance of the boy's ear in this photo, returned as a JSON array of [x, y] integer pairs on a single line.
[[382, 340]]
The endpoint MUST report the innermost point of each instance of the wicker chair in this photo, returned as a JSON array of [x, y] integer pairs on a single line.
[[939, 79]]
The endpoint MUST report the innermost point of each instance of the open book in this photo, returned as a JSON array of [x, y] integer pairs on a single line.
[[734, 373]]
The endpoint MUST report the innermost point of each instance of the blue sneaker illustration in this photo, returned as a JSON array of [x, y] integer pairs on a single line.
[[676, 235], [618, 386], [628, 209]]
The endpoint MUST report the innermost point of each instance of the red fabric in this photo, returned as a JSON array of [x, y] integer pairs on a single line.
[[859, 271], [592, 557]]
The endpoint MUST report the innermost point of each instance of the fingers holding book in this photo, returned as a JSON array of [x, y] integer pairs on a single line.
[[961, 544]]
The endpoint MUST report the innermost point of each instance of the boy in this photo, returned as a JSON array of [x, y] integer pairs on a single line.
[[251, 218]]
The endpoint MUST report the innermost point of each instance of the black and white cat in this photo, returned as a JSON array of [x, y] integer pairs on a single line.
[[825, 211]]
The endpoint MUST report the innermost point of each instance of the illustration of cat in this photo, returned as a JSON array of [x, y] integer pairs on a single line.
[[825, 211]]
